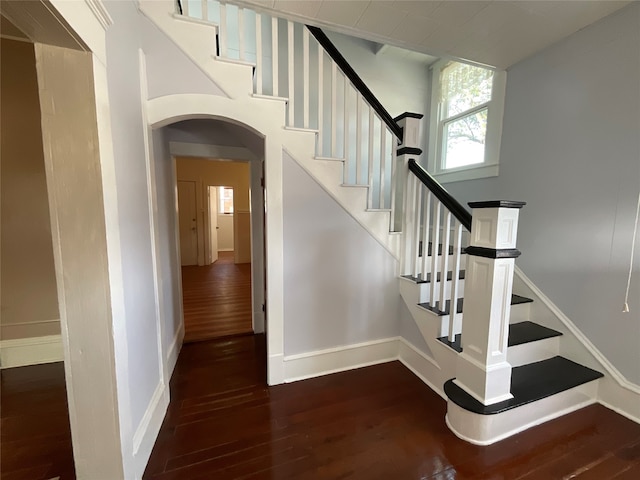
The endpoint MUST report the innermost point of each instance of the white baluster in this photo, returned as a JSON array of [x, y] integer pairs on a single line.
[[290, 46], [370, 172], [241, 33], [444, 259], [334, 107], [205, 10], [258, 53], [223, 31], [274, 55], [415, 233], [345, 141], [320, 98], [425, 236], [305, 72], [407, 221], [185, 7], [383, 163], [435, 240], [455, 282], [358, 137]]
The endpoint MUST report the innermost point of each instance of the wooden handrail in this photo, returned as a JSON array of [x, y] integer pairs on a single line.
[[455, 207], [355, 79]]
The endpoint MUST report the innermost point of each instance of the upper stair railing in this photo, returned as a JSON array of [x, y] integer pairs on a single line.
[[322, 91]]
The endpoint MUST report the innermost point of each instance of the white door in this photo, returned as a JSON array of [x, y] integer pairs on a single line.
[[187, 222], [213, 223]]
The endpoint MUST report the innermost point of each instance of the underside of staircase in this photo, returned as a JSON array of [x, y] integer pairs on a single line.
[[543, 384]]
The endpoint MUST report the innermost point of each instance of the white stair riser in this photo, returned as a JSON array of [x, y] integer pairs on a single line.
[[537, 351], [488, 429], [425, 291]]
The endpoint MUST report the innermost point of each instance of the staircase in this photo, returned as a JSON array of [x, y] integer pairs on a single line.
[[501, 372]]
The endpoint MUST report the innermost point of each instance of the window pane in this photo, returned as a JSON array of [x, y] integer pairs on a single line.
[[464, 87], [225, 196], [464, 140]]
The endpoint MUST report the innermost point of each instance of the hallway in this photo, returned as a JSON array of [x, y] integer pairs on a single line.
[[217, 299]]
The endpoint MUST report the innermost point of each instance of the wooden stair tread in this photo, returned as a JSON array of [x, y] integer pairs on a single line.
[[515, 300], [419, 279], [430, 249], [519, 333], [529, 383]]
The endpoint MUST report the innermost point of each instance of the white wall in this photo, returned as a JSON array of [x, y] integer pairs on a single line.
[[571, 150], [168, 258], [339, 283], [225, 232]]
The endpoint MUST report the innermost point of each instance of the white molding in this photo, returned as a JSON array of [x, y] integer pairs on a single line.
[[174, 349], [575, 331], [183, 18], [100, 12], [145, 435], [21, 352], [473, 173], [32, 322], [422, 366], [338, 359]]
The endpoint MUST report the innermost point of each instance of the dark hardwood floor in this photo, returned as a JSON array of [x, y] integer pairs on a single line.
[[35, 438], [216, 299], [378, 422]]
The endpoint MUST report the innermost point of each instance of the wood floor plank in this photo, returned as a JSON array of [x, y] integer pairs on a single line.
[[216, 299], [377, 422]]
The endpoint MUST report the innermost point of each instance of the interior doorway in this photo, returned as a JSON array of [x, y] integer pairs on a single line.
[[216, 247]]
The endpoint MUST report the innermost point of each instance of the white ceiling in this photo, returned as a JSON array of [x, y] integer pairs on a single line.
[[492, 32]]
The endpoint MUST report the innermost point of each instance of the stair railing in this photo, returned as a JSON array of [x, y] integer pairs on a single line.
[[432, 251], [322, 91]]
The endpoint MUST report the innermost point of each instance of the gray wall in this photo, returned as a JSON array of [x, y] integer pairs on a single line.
[[339, 283], [571, 149]]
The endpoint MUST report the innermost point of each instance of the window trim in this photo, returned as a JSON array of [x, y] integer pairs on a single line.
[[495, 113]]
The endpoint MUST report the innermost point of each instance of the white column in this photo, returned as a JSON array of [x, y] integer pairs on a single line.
[[482, 367]]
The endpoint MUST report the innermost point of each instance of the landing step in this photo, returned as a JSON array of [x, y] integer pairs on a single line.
[[529, 383], [419, 279], [519, 333], [515, 300]]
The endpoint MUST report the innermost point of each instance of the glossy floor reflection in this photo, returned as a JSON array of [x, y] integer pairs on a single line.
[[379, 422]]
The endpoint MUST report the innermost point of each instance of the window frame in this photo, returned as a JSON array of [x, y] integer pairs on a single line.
[[221, 200], [489, 167]]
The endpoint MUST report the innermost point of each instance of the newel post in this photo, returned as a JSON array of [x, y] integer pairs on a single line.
[[482, 367], [409, 147]]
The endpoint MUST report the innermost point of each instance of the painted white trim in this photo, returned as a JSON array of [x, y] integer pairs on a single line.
[[422, 366], [488, 429], [575, 331], [100, 12], [473, 173], [21, 352], [174, 349], [149, 428], [219, 152], [338, 359]]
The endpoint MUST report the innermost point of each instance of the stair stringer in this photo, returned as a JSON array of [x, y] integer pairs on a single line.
[[431, 327], [197, 40]]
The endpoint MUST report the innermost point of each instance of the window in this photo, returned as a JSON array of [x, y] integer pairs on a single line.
[[466, 121], [225, 200]]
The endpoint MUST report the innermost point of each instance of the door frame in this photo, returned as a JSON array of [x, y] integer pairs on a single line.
[[257, 230]]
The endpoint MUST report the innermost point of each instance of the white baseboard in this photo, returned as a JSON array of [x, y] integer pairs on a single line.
[[31, 351], [333, 360], [423, 367], [174, 350], [145, 435]]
